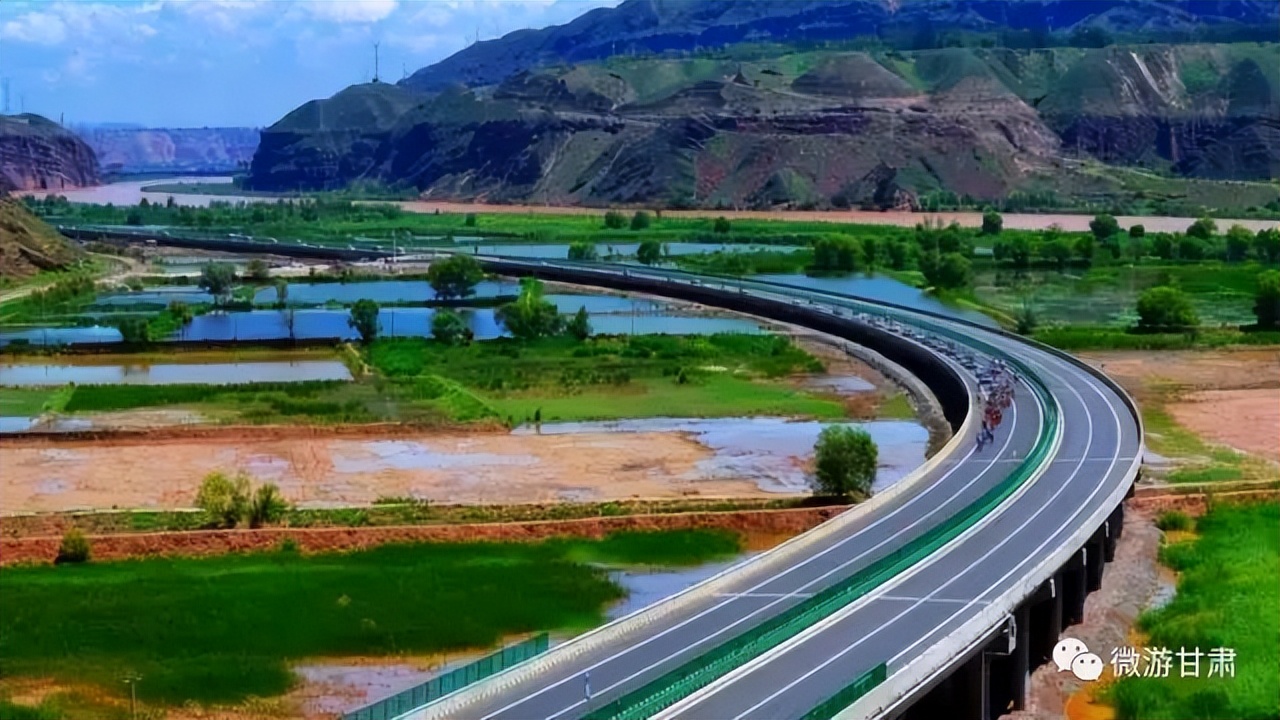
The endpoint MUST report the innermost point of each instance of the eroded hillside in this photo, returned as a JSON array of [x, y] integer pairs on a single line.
[[28, 245], [39, 154]]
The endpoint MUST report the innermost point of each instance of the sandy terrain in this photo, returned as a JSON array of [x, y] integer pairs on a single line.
[[1231, 396]]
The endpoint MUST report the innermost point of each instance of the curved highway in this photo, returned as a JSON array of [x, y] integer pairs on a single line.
[[921, 622], [1092, 462]]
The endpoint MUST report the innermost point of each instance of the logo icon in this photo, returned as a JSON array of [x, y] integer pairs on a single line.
[[1073, 655]]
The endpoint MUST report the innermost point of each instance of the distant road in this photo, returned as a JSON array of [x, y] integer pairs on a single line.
[[131, 193]]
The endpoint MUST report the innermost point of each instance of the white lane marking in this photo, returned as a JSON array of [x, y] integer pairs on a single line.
[[1013, 417], [763, 595], [1061, 488], [925, 599], [915, 498]]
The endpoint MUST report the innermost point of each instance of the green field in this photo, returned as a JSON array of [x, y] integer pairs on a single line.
[[218, 630], [1228, 596]]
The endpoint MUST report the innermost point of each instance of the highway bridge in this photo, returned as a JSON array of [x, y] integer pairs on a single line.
[[934, 599]]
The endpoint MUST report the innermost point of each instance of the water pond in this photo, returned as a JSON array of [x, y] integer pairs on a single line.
[[61, 373]]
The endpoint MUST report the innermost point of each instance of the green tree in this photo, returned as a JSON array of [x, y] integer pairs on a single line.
[[364, 318], [1163, 246], [580, 325], [1267, 245], [1204, 228], [583, 250], [133, 217], [845, 460], [1266, 303], [1238, 241], [615, 220], [224, 500], [1166, 309], [469, 220], [531, 316], [133, 330], [1084, 248], [1016, 249], [948, 271], [455, 277], [837, 254], [449, 328], [282, 291], [1103, 226], [902, 255], [992, 223], [218, 279], [1137, 231], [721, 225], [641, 220], [1191, 247], [649, 252], [1059, 250], [258, 270]]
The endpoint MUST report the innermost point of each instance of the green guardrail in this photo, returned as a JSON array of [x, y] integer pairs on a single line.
[[701, 671], [436, 688], [832, 706]]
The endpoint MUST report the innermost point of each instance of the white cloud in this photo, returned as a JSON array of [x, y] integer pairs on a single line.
[[351, 11], [144, 30], [35, 27]]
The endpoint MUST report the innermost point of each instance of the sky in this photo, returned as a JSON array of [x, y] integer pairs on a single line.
[[223, 63]]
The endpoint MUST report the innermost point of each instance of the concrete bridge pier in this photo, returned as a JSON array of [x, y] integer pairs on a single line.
[[1074, 587], [1008, 664], [1095, 560], [1044, 613], [1113, 527]]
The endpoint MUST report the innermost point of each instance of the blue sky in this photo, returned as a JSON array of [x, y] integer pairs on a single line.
[[198, 63]]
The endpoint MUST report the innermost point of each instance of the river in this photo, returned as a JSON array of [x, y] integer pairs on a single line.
[[131, 193]]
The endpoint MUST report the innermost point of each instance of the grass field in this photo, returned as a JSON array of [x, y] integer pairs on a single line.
[[1227, 597], [26, 402], [218, 630]]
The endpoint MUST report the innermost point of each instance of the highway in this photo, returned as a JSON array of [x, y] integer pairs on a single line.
[[1091, 457]]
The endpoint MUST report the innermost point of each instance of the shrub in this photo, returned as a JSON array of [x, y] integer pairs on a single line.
[[845, 462], [649, 252], [992, 223], [267, 507], [580, 325], [615, 220], [1174, 520], [1203, 229], [469, 220], [641, 220], [721, 225], [364, 318], [582, 251], [74, 548], [1266, 302], [224, 500], [1165, 308], [448, 327], [455, 277]]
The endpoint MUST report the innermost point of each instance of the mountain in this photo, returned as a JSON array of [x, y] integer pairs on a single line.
[[39, 154], [659, 26], [28, 245], [813, 123], [143, 150]]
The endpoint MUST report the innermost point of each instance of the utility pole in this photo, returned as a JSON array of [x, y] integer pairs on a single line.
[[375, 61]]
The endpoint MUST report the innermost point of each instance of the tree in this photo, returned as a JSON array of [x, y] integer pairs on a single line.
[[224, 500], [74, 548], [580, 325], [992, 223], [1084, 248], [615, 220], [364, 318], [649, 252], [1015, 249], [1103, 226], [583, 250], [1266, 304], [258, 271], [282, 291], [640, 221], [845, 460], [455, 277], [837, 254], [133, 330], [531, 316], [721, 225], [1163, 246], [449, 328], [133, 217], [1267, 245], [1137, 231], [217, 279], [1166, 309], [1238, 241], [469, 220], [949, 271], [1059, 250], [1191, 247], [1204, 228]]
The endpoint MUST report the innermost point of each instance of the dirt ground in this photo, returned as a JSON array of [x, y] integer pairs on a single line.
[[1230, 396]]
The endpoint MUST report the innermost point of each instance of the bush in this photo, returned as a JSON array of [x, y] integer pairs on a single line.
[[455, 277], [1203, 229], [225, 501], [992, 223], [580, 325], [615, 220], [1165, 308], [448, 327], [845, 462], [73, 549], [1174, 520], [649, 252], [721, 225], [583, 251], [364, 318], [469, 220], [641, 220], [267, 507]]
